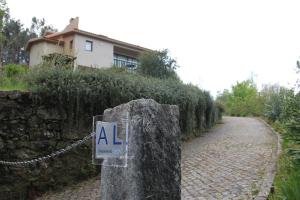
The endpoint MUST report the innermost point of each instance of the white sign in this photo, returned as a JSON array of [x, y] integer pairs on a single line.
[[108, 144]]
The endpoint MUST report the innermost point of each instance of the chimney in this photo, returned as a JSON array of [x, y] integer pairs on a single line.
[[74, 22]]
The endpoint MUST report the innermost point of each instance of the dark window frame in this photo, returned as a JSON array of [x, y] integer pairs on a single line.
[[91, 43]]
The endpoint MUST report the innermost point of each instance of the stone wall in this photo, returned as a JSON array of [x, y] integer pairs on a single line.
[[31, 127]]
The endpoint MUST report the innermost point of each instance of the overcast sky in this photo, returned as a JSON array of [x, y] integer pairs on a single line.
[[216, 42]]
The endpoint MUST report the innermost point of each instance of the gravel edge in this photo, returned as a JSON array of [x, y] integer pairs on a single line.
[[267, 183]]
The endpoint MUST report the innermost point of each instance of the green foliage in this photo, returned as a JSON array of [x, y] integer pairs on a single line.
[[96, 90], [242, 100], [12, 77], [157, 64], [59, 60], [274, 98], [290, 187], [13, 70], [287, 180], [3, 13], [283, 107], [14, 43]]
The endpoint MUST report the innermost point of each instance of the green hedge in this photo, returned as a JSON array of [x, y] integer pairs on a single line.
[[90, 92]]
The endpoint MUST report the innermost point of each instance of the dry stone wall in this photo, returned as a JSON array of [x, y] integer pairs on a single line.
[[31, 127]]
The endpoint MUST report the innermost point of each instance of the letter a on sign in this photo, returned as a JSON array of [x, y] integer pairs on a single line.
[[102, 135]]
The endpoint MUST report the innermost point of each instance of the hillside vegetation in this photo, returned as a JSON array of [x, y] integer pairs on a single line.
[[93, 90]]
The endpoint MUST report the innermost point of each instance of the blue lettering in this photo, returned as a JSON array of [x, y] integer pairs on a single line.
[[115, 132], [104, 137]]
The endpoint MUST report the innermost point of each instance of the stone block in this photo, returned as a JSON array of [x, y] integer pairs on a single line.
[[154, 142]]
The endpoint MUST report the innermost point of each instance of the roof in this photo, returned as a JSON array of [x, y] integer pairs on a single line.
[[55, 38], [41, 39]]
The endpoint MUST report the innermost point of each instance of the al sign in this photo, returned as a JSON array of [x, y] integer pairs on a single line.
[[108, 144]]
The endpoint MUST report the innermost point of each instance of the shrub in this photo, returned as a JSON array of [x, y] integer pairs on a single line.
[[59, 60], [157, 64], [90, 92]]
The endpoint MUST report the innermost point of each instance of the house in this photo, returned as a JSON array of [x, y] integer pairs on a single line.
[[90, 50]]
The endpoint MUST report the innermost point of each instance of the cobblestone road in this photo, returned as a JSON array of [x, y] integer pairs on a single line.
[[229, 162]]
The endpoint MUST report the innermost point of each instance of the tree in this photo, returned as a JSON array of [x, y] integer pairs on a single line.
[[3, 14], [222, 99], [291, 115], [16, 37], [242, 100], [274, 98], [38, 27], [14, 45], [157, 64]]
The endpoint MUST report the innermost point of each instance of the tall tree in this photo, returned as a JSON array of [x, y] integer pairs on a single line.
[[38, 27], [3, 14], [16, 37]]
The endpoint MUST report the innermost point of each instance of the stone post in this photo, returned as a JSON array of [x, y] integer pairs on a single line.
[[154, 171]]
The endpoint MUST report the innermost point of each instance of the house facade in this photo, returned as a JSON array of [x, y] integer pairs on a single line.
[[90, 50]]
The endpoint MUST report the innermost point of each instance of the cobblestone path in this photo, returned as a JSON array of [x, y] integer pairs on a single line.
[[229, 162]]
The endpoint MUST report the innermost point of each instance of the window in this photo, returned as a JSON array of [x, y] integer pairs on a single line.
[[88, 45], [125, 61], [71, 44]]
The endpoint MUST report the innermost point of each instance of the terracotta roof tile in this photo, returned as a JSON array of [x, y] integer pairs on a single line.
[[53, 38]]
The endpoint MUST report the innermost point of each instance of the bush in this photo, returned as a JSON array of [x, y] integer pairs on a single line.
[[157, 64], [59, 60], [90, 92]]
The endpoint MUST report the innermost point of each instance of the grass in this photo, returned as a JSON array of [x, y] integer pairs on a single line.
[[12, 77], [7, 84], [287, 179], [290, 185]]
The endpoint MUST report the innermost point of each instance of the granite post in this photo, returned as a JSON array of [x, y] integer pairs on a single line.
[[154, 142]]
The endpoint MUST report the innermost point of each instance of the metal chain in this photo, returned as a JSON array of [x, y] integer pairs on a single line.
[[49, 156]]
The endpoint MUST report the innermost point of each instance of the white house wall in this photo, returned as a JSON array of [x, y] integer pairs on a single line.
[[40, 49], [100, 57], [67, 49]]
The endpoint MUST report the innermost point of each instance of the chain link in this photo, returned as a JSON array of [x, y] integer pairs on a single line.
[[49, 156]]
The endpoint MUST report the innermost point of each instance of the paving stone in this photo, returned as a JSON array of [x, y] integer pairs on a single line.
[[228, 161]]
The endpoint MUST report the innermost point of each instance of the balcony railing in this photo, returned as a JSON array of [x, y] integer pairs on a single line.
[[123, 63]]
